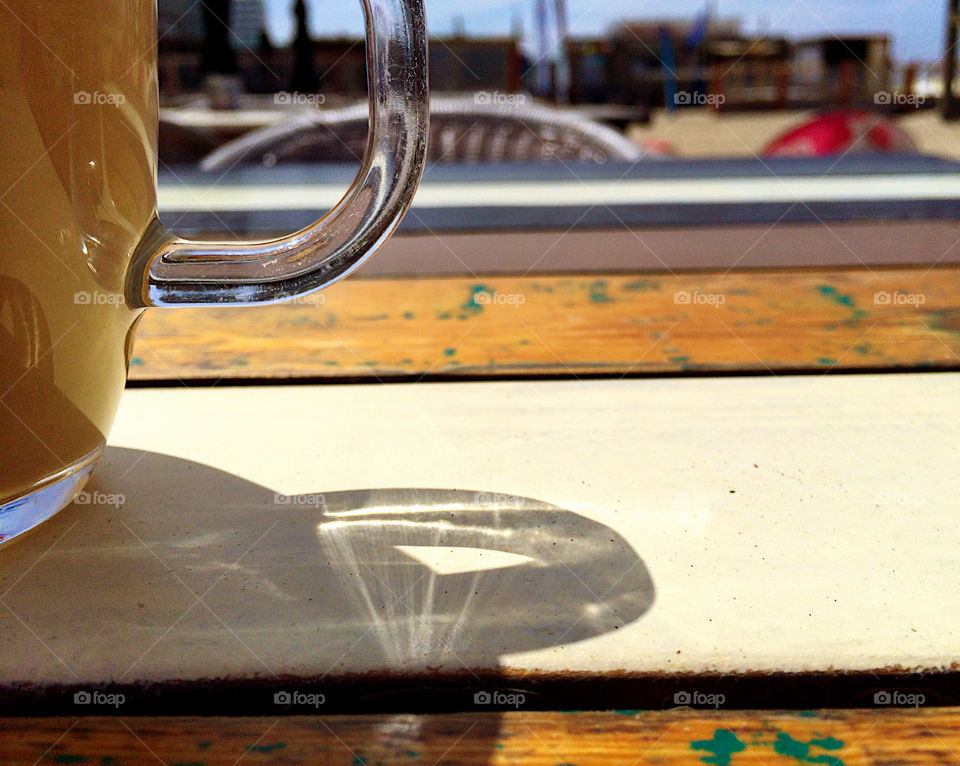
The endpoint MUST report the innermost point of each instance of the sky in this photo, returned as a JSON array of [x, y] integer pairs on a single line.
[[916, 26]]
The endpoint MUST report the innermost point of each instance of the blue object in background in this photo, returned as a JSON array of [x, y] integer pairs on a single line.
[[669, 61], [699, 31]]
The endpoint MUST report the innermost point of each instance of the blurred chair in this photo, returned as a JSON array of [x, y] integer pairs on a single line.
[[461, 131]]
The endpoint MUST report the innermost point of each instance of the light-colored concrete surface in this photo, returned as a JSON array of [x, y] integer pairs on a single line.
[[803, 523], [933, 135], [705, 133]]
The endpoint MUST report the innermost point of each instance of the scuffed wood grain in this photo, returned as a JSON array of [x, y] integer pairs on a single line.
[[819, 320], [835, 738]]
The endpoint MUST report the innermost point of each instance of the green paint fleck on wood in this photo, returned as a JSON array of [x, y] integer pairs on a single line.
[[331, 363], [598, 292], [679, 359], [406, 361], [800, 751], [408, 315], [827, 743], [525, 342], [826, 360], [413, 754], [807, 714], [855, 318], [641, 285], [444, 315], [472, 306], [241, 363], [837, 297], [359, 761], [136, 361], [723, 745], [265, 748], [627, 712], [449, 351]]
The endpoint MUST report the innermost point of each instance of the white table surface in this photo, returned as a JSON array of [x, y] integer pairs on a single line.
[[735, 524]]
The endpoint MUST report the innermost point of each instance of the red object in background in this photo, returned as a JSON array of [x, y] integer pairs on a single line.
[[657, 147], [857, 131]]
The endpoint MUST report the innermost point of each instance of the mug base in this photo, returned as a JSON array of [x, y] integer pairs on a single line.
[[23, 513]]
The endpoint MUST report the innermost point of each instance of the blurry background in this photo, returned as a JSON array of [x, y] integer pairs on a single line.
[[663, 74], [722, 134]]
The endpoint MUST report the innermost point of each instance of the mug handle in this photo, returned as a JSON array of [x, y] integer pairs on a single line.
[[166, 270]]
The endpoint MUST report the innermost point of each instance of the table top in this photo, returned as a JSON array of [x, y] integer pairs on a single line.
[[801, 523], [679, 737], [639, 527], [571, 325]]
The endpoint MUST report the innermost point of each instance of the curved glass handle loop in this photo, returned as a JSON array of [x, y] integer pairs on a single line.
[[166, 270]]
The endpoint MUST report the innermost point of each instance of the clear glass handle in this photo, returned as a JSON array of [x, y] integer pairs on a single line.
[[166, 270]]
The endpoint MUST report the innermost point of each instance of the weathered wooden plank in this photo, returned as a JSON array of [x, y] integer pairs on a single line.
[[571, 324], [835, 738]]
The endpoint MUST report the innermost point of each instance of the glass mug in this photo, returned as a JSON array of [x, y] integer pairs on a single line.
[[82, 252]]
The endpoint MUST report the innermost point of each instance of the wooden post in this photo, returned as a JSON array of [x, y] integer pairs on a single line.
[[304, 78], [845, 91], [950, 106], [718, 85], [218, 56], [782, 76]]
